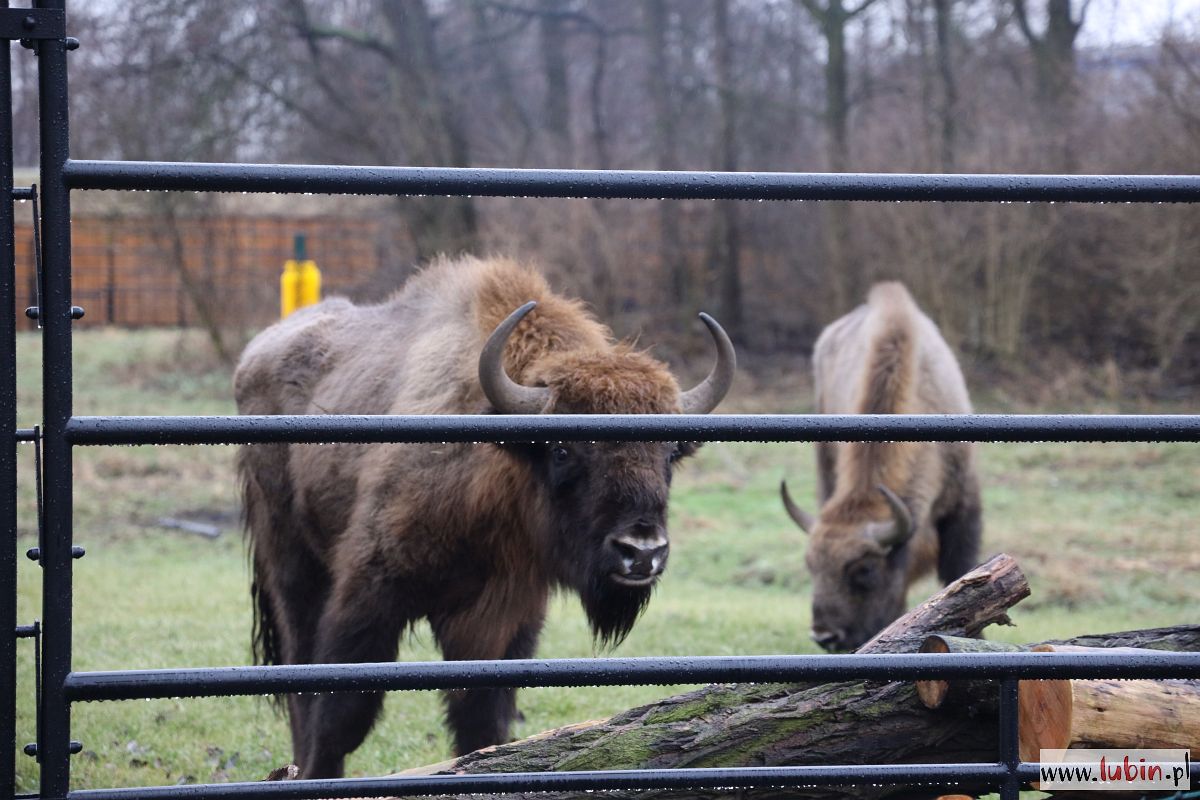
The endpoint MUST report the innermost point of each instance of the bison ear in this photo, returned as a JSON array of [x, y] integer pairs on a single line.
[[901, 529], [798, 514]]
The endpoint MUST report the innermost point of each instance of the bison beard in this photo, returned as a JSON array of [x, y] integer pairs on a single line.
[[352, 544], [613, 609]]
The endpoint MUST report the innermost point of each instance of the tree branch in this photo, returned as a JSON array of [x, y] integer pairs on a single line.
[[311, 32], [818, 13], [863, 6], [1023, 22]]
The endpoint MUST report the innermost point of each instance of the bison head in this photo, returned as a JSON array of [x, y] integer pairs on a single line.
[[858, 563], [605, 515]]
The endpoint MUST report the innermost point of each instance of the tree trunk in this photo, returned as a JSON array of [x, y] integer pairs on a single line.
[[832, 18], [1055, 79], [949, 108], [769, 725], [557, 98], [432, 135], [657, 23], [728, 238]]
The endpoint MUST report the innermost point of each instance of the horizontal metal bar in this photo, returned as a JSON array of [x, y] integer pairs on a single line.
[[326, 179], [32, 23], [634, 427], [25, 435], [26, 631], [592, 780], [22, 193], [423, 675]]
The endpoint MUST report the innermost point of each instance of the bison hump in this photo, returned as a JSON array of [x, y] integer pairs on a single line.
[[281, 367]]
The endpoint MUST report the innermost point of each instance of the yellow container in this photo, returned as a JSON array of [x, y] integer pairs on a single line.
[[289, 288], [309, 291]]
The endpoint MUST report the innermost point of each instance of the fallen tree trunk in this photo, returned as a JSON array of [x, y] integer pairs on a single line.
[[771, 725], [846, 722]]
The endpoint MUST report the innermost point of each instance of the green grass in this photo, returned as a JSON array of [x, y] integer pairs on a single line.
[[1103, 531]]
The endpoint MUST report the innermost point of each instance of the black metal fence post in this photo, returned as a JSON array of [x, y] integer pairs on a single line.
[[8, 447], [54, 747], [1010, 750]]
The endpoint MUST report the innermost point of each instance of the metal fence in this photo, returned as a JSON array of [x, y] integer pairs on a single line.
[[43, 29]]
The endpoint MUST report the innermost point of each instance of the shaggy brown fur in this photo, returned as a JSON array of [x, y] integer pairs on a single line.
[[886, 357], [352, 544]]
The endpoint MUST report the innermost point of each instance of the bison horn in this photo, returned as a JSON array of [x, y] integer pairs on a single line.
[[799, 515], [505, 394], [706, 396], [902, 529]]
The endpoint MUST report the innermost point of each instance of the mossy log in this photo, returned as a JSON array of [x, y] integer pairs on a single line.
[[848, 722], [767, 725]]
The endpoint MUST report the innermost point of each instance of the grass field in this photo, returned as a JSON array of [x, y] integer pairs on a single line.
[[1106, 533]]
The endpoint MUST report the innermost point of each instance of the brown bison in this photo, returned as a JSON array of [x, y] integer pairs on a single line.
[[889, 510], [352, 544]]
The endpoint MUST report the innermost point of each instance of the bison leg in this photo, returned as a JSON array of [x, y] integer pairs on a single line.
[[290, 583], [297, 591], [959, 533], [482, 717], [361, 624]]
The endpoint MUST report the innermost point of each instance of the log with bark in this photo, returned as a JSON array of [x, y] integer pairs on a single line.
[[975, 697], [847, 722]]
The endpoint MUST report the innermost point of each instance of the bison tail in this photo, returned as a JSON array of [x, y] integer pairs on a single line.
[[264, 635], [264, 638], [892, 364]]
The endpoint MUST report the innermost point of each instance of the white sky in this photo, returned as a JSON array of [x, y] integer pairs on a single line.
[[1119, 22]]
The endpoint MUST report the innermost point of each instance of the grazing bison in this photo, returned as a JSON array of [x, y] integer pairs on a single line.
[[354, 543], [889, 510]]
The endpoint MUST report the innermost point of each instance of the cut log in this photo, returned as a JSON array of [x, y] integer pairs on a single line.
[[1142, 714], [966, 695], [980, 697]]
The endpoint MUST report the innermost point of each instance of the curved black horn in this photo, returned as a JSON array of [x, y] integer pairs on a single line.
[[505, 394], [706, 396], [903, 529], [799, 515]]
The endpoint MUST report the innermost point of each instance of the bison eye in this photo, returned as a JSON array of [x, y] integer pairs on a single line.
[[861, 576], [560, 455]]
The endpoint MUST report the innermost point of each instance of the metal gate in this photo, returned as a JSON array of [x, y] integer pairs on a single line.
[[43, 29]]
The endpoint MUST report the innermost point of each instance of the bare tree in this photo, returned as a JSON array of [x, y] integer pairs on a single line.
[[657, 21], [832, 19], [943, 25], [557, 96], [727, 235], [1053, 56], [424, 126]]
